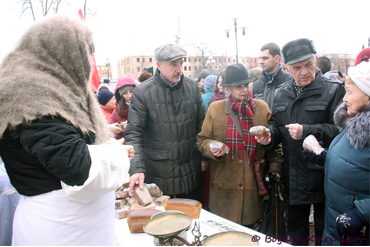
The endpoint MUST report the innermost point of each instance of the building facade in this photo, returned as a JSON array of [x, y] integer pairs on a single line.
[[135, 65]]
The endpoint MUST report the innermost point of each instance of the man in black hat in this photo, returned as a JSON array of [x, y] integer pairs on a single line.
[[303, 106], [166, 114]]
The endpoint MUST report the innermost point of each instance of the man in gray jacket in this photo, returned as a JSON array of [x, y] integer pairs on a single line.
[[272, 75], [165, 116]]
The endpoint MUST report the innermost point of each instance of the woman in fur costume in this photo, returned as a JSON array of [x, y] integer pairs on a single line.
[[347, 165], [53, 139]]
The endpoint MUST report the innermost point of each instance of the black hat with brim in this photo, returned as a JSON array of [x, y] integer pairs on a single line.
[[236, 75]]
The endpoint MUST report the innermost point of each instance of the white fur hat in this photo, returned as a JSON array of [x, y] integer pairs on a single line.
[[360, 75]]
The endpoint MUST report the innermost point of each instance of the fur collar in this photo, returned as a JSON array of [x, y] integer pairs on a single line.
[[358, 127]]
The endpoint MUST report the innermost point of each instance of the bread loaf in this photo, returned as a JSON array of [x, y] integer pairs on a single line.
[[121, 213], [136, 219], [143, 196], [160, 201], [260, 131], [187, 206], [154, 190]]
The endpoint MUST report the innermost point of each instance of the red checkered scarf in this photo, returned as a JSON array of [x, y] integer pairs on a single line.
[[243, 111]]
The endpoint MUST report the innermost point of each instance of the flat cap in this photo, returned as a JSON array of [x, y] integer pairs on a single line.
[[169, 52], [298, 50]]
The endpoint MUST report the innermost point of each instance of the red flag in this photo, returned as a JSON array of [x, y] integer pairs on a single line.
[[94, 75]]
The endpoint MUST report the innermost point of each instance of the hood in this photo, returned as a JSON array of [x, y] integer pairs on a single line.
[[122, 82], [47, 74], [358, 127]]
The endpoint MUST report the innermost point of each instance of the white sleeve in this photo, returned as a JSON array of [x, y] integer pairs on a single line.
[[108, 171]]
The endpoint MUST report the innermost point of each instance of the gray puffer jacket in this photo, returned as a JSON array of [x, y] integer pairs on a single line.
[[163, 123]]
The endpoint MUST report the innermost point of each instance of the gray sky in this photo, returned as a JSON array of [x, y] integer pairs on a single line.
[[125, 27]]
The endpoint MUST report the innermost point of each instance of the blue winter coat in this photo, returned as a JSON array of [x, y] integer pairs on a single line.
[[347, 172]]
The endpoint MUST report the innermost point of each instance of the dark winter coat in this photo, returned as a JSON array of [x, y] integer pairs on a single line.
[[163, 122], [41, 154], [347, 170], [264, 90], [314, 109]]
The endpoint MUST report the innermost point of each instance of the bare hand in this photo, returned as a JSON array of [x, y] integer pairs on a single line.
[[114, 129], [136, 179], [295, 131], [264, 140], [130, 151], [204, 165], [217, 152]]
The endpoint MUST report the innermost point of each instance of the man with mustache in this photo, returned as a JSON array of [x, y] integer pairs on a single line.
[[304, 105], [165, 115]]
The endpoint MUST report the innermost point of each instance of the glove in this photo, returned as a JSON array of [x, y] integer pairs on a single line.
[[314, 158], [349, 223]]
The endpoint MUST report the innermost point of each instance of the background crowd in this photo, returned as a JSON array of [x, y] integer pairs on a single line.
[[58, 140]]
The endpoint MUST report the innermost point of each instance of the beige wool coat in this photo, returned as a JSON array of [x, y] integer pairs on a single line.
[[233, 190]]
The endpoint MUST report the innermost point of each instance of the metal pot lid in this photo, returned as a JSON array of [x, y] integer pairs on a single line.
[[230, 238], [167, 224]]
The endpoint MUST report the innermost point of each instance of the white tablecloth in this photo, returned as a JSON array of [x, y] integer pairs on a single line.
[[209, 224]]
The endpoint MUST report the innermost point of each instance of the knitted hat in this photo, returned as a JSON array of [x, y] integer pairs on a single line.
[[210, 81], [104, 96], [360, 75], [203, 74], [364, 55]]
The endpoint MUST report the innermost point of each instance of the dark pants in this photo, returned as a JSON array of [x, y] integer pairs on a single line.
[[298, 223], [191, 195]]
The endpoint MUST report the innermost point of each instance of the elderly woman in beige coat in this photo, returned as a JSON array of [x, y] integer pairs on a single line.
[[233, 190]]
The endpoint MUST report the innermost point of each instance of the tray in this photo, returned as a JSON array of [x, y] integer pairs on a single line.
[[230, 238], [164, 225]]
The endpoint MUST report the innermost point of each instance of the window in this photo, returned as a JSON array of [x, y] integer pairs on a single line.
[[196, 67], [228, 59], [189, 68], [189, 61], [185, 59], [138, 69], [195, 59], [138, 59], [185, 68], [150, 59]]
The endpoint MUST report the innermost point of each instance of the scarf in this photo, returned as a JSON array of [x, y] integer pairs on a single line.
[[298, 89], [243, 111], [47, 74], [219, 95]]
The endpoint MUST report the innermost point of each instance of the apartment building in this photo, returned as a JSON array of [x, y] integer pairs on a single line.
[[135, 65]]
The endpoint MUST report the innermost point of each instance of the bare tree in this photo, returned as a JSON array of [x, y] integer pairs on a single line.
[[46, 6], [203, 50]]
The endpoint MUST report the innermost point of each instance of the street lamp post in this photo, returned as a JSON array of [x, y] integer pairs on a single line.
[[108, 65], [236, 37]]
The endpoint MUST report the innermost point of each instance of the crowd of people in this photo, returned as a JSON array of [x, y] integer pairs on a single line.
[[65, 148]]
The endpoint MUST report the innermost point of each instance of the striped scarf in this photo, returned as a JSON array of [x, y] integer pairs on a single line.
[[243, 111]]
